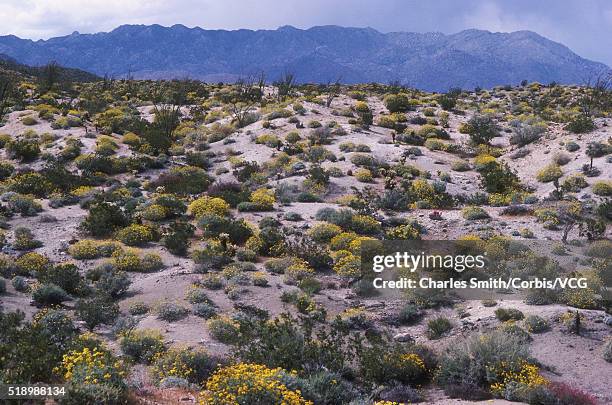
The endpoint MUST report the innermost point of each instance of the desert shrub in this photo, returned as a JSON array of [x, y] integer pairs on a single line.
[[429, 131], [536, 324], [176, 237], [2, 286], [97, 310], [580, 124], [138, 308], [184, 180], [251, 384], [87, 393], [25, 150], [397, 102], [460, 166], [405, 232], [87, 249], [437, 327], [261, 200], [208, 205], [24, 239], [132, 260], [474, 213], [31, 263], [20, 284], [193, 365], [603, 188], [561, 159], [170, 311], [572, 146], [324, 232], [607, 351], [223, 329], [103, 219], [31, 183], [142, 346], [467, 367], [508, 314], [549, 173], [49, 295], [409, 314], [574, 183], [408, 364], [64, 275], [363, 175], [525, 133], [365, 225], [135, 235], [113, 283], [361, 159], [482, 128]]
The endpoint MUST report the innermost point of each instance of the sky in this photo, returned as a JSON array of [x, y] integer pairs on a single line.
[[585, 26]]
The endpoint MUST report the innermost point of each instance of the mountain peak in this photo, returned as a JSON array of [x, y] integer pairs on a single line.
[[430, 61]]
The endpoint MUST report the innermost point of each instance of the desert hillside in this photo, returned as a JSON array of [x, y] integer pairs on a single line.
[[173, 242]]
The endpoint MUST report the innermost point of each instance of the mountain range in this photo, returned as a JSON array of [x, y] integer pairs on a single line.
[[429, 61]]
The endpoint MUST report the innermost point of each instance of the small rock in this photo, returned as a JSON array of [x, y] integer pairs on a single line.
[[403, 337]]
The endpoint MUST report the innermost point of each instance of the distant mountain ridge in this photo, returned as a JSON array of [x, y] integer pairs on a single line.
[[430, 61], [9, 65]]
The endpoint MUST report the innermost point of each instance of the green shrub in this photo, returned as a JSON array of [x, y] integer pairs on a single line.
[[49, 295], [437, 327], [24, 149], [474, 213], [536, 324], [324, 232], [465, 367], [603, 188], [170, 311], [223, 329], [409, 314], [142, 346], [460, 166], [103, 219], [138, 308], [97, 310], [508, 314], [397, 102], [192, 364], [64, 275], [86, 393], [580, 124], [482, 128], [183, 180]]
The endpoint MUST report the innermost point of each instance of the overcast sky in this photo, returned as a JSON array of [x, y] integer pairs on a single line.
[[583, 25]]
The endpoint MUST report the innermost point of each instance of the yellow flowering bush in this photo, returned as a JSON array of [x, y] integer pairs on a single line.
[[342, 240], [524, 377], [297, 271], [324, 232], [208, 205], [348, 265], [134, 260], [92, 365], [246, 384], [263, 198], [135, 235], [31, 263]]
